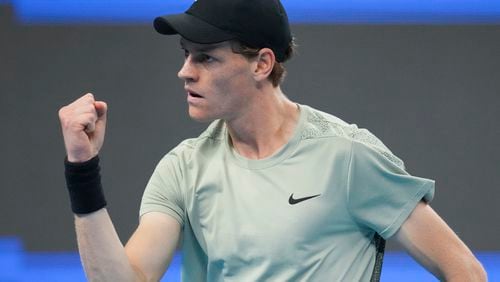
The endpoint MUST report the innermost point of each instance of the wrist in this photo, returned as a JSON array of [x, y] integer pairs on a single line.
[[83, 180], [79, 158]]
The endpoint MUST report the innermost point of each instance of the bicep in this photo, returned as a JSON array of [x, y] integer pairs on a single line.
[[153, 244], [429, 240]]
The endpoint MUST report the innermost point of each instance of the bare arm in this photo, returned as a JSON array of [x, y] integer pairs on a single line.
[[146, 256], [152, 246], [104, 257], [101, 251], [429, 240]]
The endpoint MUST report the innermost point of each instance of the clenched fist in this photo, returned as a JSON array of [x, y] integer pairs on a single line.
[[83, 125]]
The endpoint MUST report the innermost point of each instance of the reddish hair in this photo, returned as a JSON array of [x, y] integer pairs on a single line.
[[279, 72]]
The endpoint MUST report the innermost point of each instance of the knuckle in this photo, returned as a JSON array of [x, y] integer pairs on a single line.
[[89, 118], [61, 112], [64, 115], [89, 96], [92, 119], [65, 123]]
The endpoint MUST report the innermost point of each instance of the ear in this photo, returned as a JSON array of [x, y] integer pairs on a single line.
[[264, 64]]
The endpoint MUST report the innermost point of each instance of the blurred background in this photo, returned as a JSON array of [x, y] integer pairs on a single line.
[[423, 76]]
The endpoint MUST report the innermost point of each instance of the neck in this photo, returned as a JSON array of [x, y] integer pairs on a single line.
[[265, 125]]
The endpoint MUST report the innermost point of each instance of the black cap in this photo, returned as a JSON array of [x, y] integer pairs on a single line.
[[256, 23]]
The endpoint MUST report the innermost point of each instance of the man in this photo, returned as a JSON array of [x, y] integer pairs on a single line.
[[271, 191]]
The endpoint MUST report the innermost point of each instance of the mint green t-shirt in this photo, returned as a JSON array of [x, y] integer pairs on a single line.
[[307, 213]]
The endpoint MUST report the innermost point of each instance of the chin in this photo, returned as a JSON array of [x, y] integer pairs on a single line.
[[200, 116]]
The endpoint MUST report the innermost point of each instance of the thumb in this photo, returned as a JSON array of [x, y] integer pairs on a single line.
[[101, 109], [102, 112]]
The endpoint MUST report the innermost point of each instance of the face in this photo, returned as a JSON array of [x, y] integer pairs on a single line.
[[217, 81]]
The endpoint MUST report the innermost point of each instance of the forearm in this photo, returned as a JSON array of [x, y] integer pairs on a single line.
[[433, 244], [454, 262], [470, 269], [102, 254]]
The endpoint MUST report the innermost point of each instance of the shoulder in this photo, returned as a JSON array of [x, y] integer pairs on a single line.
[[320, 124]]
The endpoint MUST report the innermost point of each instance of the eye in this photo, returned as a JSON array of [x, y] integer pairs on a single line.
[[198, 57], [204, 58]]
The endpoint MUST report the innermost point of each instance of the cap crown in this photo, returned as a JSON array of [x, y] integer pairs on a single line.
[[257, 23]]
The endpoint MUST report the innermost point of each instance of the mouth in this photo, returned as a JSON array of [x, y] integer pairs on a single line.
[[192, 94], [195, 95], [193, 98]]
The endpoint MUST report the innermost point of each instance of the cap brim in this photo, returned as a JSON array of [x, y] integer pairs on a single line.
[[191, 28]]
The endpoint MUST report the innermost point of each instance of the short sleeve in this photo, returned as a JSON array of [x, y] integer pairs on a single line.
[[163, 192], [381, 194]]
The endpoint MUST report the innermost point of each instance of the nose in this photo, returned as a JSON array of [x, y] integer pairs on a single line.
[[188, 70]]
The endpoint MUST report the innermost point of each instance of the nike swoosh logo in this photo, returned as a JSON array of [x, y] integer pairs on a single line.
[[293, 201]]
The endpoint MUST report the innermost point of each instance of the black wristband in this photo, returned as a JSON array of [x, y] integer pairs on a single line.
[[83, 181]]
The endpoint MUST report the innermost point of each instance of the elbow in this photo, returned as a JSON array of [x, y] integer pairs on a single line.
[[469, 271], [479, 273]]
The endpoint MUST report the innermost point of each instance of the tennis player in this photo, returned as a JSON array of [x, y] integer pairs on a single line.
[[272, 190]]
